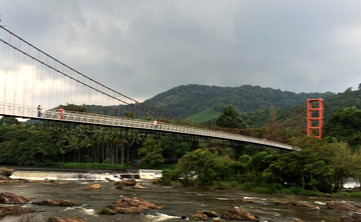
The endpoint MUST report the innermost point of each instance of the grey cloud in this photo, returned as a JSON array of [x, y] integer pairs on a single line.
[[142, 48]]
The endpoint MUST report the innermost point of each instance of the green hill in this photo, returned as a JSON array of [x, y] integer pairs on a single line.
[[203, 104], [189, 100]]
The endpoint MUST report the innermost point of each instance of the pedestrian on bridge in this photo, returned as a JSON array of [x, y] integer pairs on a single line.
[[39, 111], [61, 112]]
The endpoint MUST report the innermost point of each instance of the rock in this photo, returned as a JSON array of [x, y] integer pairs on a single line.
[[355, 217], [210, 213], [337, 205], [200, 216], [64, 203], [129, 182], [298, 204], [295, 220], [119, 186], [129, 205], [14, 210], [65, 219], [10, 198], [205, 215], [138, 186], [4, 177], [6, 172], [93, 187], [109, 180], [237, 213]]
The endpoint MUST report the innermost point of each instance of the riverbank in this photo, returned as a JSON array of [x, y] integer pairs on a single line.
[[178, 202]]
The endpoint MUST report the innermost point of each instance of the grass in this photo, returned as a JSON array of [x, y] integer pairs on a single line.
[[204, 116], [347, 194]]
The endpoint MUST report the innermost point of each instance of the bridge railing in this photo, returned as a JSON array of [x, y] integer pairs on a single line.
[[97, 119]]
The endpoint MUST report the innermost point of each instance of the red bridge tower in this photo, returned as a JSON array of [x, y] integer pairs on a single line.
[[315, 117]]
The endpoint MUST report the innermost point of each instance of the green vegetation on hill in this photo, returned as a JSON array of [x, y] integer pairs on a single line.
[[339, 101], [188, 100], [204, 116]]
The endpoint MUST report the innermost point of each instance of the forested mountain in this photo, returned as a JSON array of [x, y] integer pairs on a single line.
[[336, 102], [202, 103], [187, 100]]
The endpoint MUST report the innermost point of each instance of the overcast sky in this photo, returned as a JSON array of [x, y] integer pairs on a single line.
[[142, 48]]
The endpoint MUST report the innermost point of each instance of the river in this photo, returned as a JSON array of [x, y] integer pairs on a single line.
[[178, 202]]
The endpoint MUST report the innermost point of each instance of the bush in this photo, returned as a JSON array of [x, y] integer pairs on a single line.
[[223, 186], [168, 176]]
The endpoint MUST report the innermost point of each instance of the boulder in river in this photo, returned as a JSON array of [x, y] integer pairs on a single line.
[[237, 213], [129, 182], [138, 186], [338, 205], [298, 204], [55, 203], [205, 215], [93, 187], [6, 172], [65, 219], [109, 180], [295, 220], [13, 210], [129, 205], [355, 217], [10, 198]]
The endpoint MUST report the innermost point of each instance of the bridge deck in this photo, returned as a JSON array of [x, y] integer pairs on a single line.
[[97, 119]]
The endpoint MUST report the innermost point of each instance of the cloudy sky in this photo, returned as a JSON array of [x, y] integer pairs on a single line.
[[144, 47]]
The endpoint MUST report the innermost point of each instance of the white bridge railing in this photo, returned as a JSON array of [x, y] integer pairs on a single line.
[[97, 119]]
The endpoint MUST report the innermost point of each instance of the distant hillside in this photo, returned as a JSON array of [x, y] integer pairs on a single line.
[[203, 104], [188, 100], [333, 102], [339, 101]]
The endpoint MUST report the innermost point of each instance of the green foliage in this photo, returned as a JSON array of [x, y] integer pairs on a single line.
[[337, 102], [202, 166], [130, 115], [151, 152], [8, 121], [230, 119], [174, 149], [168, 176], [20, 145], [73, 107], [204, 116], [345, 125]]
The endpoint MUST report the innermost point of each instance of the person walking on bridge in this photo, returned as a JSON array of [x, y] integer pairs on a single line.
[[39, 110]]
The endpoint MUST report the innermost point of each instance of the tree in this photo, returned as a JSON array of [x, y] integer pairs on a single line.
[[151, 152], [8, 121], [73, 107], [345, 125], [202, 166], [230, 119]]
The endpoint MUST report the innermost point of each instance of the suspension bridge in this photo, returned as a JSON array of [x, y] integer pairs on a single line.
[[29, 77]]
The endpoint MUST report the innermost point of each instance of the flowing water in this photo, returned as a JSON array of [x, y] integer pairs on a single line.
[[178, 202]]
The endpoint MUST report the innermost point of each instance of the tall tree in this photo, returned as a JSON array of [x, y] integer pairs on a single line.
[[230, 119], [151, 152]]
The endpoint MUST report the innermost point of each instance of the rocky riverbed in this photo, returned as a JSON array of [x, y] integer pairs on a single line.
[[141, 200]]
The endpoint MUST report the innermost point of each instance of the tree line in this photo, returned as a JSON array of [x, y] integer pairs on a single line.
[[45, 143]]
